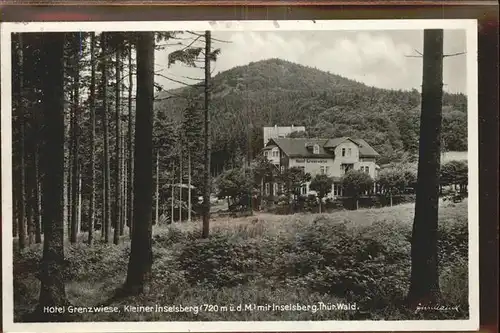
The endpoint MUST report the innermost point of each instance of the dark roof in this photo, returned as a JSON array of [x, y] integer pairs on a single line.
[[365, 149], [296, 147]]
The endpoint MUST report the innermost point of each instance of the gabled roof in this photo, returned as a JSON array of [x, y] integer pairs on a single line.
[[365, 150], [296, 147], [332, 143]]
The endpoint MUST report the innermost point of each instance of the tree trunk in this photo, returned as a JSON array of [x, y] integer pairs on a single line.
[[92, 139], [103, 201], [390, 198], [52, 291], [123, 182], [157, 192], [424, 282], [22, 177], [38, 211], [118, 194], [180, 184], [29, 194], [206, 139], [130, 182], [76, 143], [320, 203], [107, 176], [172, 195], [357, 203], [80, 204], [189, 186], [15, 206], [141, 254], [69, 181]]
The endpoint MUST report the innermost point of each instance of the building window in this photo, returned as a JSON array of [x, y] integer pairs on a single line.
[[275, 188], [275, 153], [336, 189], [343, 152], [282, 168], [367, 170], [267, 189], [303, 169], [322, 170], [346, 167], [362, 169], [327, 171], [349, 151], [265, 153], [304, 190], [316, 149]]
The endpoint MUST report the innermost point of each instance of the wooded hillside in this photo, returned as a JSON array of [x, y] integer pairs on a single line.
[[278, 92]]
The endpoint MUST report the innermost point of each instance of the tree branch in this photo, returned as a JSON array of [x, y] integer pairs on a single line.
[[454, 54], [173, 80]]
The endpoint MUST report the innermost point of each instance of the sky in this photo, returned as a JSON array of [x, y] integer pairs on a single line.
[[376, 58]]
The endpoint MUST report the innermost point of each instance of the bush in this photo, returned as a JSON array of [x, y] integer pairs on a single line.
[[369, 265], [174, 235], [454, 283], [221, 261]]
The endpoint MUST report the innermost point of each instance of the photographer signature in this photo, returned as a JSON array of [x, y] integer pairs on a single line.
[[436, 308]]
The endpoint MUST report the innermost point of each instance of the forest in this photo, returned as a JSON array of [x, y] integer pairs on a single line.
[[278, 92], [105, 162]]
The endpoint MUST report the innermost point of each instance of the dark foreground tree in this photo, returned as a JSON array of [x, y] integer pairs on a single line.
[[22, 177], [206, 139], [52, 290], [141, 254], [92, 99], [424, 283]]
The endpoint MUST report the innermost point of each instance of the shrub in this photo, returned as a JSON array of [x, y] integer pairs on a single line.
[[221, 260]]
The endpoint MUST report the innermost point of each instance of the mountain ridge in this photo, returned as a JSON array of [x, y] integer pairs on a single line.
[[276, 91]]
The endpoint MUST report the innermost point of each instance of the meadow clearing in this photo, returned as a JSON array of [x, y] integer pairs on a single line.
[[353, 257]]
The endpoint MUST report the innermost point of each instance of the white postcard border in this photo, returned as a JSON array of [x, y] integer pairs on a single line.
[[244, 326]]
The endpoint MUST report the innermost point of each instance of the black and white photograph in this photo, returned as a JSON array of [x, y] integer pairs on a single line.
[[240, 176]]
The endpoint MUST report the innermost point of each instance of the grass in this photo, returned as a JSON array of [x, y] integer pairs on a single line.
[[353, 257]]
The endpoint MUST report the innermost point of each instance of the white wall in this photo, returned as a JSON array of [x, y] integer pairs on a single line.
[[274, 159]]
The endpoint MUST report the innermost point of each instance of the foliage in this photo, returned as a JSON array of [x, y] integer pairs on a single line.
[[454, 172], [355, 182], [395, 180], [293, 180], [273, 91], [237, 184], [348, 256], [221, 261], [322, 184]]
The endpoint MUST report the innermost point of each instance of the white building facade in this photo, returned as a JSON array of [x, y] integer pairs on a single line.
[[277, 132], [332, 157]]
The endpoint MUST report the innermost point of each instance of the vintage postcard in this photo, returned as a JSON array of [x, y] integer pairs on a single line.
[[240, 176]]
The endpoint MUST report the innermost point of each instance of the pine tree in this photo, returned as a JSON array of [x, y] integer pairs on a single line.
[[106, 166], [130, 145], [52, 291], [206, 138], [118, 184], [141, 255], [92, 99], [424, 282], [75, 137], [22, 177]]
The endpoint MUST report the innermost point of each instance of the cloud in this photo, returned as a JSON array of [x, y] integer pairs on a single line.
[[376, 58]]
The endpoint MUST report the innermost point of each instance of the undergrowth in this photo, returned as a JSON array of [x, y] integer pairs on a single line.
[[359, 257]]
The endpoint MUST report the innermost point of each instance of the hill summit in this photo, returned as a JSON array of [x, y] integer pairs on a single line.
[[278, 92]]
